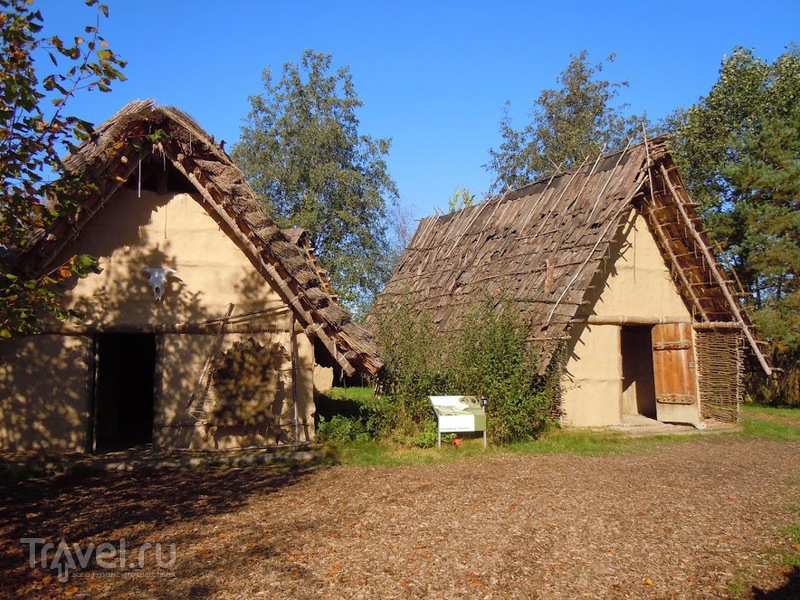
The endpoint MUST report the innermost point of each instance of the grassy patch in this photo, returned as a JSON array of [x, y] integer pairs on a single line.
[[793, 533], [771, 430], [766, 422], [738, 589], [374, 453], [756, 410], [357, 394], [592, 443], [574, 441]]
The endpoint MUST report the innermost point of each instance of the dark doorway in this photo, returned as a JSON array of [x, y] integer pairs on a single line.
[[638, 384], [125, 391]]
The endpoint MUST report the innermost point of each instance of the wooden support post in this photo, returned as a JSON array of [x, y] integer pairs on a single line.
[[294, 382]]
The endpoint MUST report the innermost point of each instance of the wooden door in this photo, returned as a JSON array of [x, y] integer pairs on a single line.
[[674, 373]]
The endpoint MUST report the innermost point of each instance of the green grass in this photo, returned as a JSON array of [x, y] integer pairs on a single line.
[[793, 533], [357, 394], [766, 422], [590, 443], [375, 453], [770, 430], [788, 411], [758, 422], [593, 443]]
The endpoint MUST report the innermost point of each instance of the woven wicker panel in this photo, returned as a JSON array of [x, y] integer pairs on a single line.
[[720, 363]]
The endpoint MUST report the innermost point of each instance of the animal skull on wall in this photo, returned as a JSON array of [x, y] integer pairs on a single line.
[[158, 280]]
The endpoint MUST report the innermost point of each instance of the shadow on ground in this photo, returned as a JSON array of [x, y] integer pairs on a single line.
[[92, 508], [790, 590]]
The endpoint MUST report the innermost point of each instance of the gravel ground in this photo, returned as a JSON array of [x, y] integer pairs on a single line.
[[700, 518]]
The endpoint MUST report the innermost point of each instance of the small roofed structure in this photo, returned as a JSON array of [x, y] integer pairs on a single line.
[[612, 270], [226, 357]]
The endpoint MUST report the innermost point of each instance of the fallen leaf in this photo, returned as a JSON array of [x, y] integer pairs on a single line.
[[647, 581]]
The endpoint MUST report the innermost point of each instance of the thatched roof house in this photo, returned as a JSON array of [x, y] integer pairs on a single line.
[[240, 299], [609, 262]]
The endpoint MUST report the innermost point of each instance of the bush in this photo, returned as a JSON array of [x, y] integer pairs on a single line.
[[340, 429], [782, 389], [492, 358], [488, 356], [427, 437], [415, 369]]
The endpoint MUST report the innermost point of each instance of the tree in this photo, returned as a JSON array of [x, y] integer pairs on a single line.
[[461, 198], [747, 90], [34, 131], [568, 125], [303, 154], [401, 230], [739, 153]]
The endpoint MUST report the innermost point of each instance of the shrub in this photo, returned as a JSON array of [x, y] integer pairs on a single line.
[[489, 355], [340, 429], [493, 358], [427, 437], [414, 370]]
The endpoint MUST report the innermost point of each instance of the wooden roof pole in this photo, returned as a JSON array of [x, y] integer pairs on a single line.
[[724, 256], [626, 203], [716, 274], [64, 240], [544, 191], [209, 359], [653, 221], [627, 320], [665, 242], [608, 180]]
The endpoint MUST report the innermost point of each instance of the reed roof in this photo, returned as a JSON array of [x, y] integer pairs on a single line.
[[541, 245]]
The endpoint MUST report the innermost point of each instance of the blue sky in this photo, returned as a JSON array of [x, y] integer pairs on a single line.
[[433, 76]]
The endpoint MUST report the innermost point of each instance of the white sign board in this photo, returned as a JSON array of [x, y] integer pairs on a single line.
[[456, 414]]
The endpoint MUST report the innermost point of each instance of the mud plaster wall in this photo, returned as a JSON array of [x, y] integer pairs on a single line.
[[169, 231], [175, 426], [45, 391], [634, 283]]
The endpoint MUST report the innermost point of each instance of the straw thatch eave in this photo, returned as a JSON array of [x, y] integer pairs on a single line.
[[144, 136]]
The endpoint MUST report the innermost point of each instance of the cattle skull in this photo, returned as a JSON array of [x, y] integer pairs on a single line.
[[158, 280]]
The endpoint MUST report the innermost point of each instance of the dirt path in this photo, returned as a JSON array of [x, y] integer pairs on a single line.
[[694, 519]]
